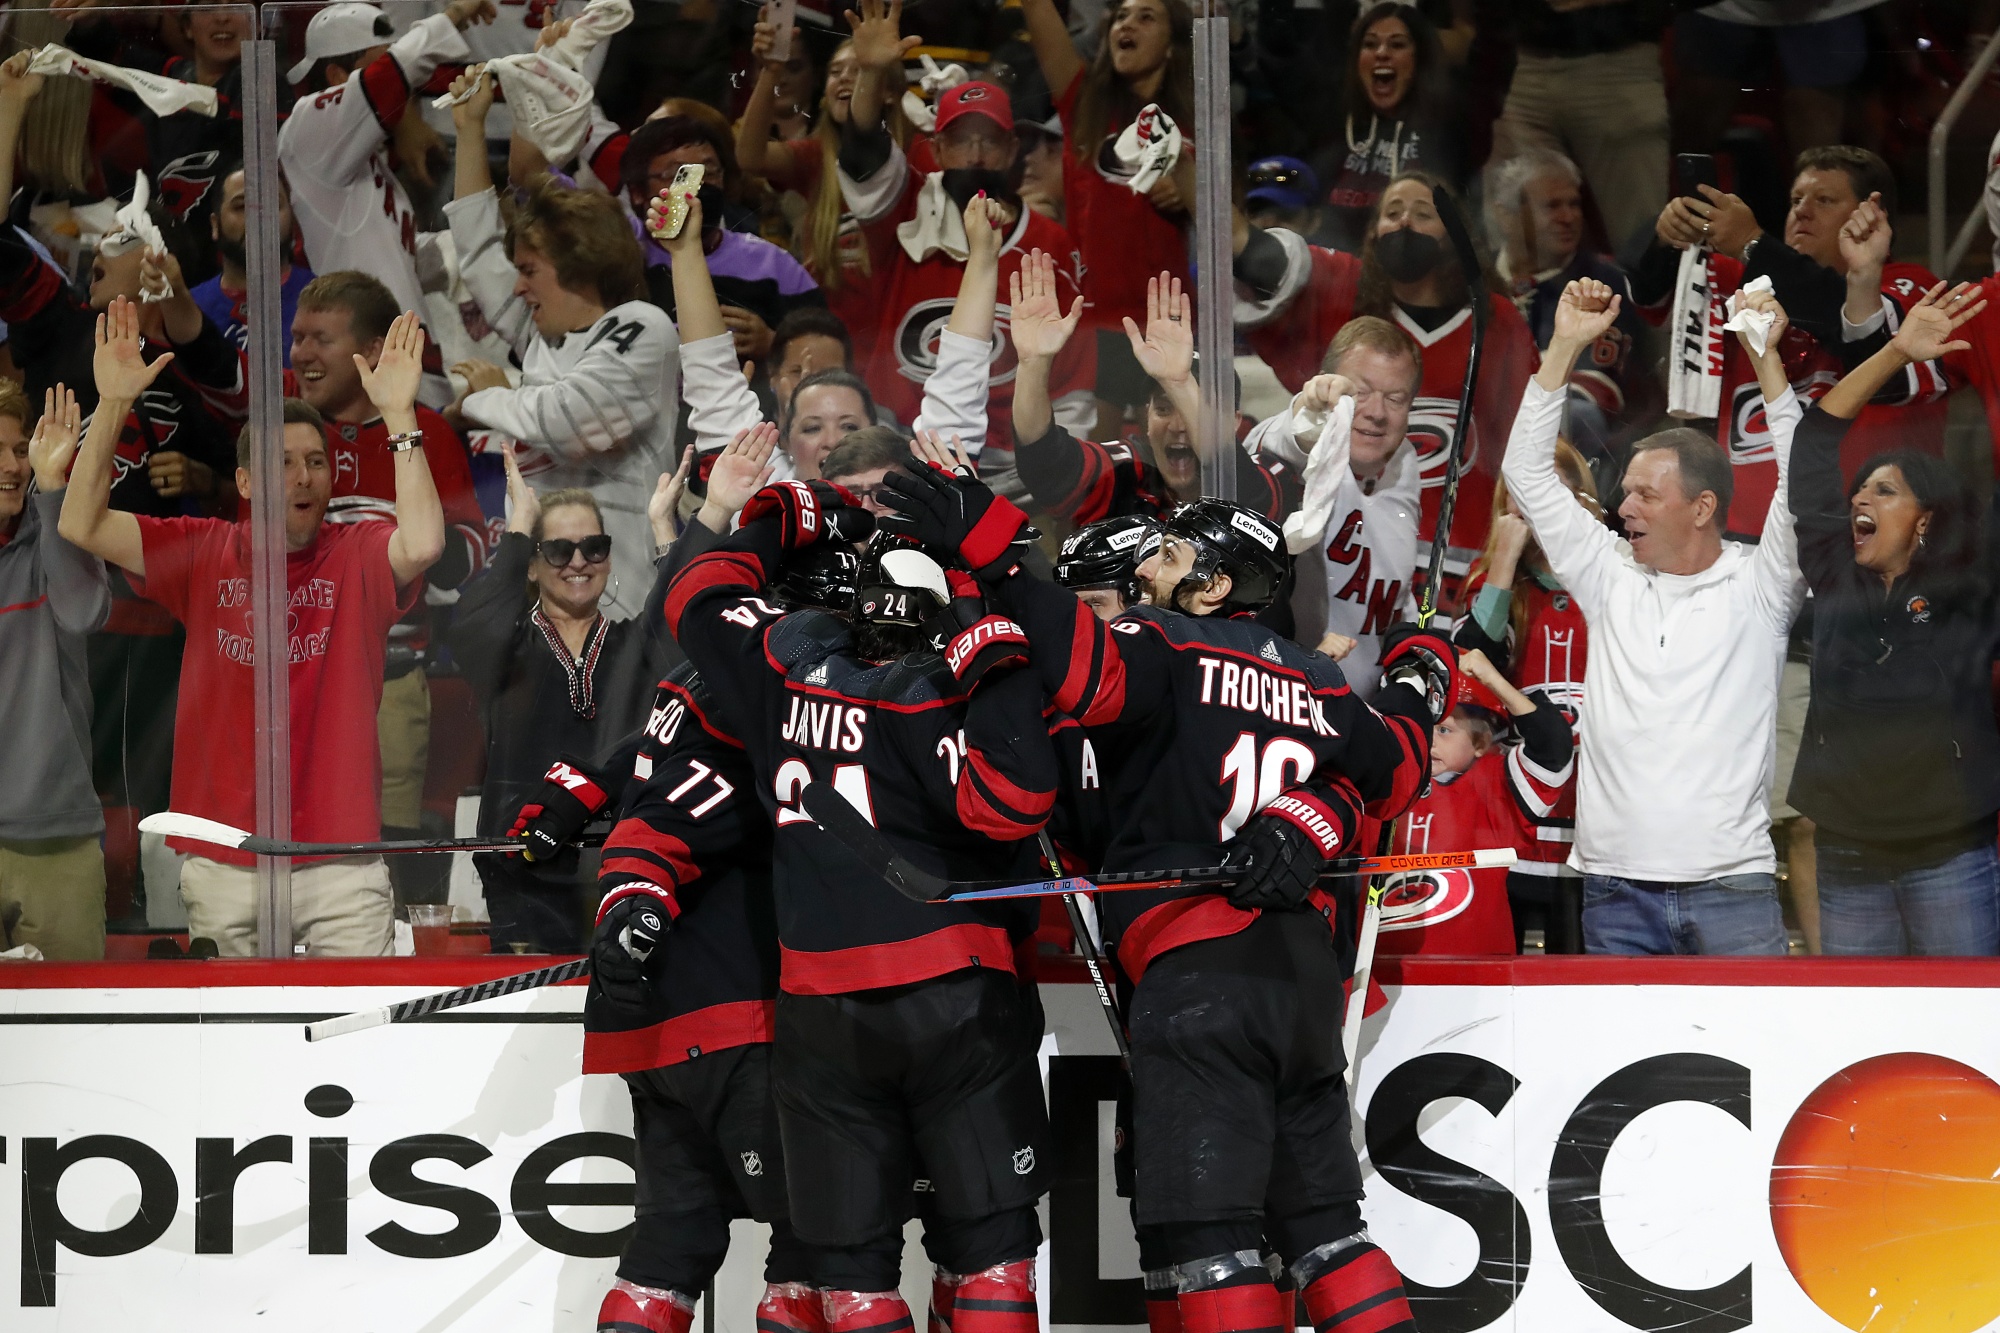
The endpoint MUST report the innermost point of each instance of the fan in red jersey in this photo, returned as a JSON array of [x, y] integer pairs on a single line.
[[1482, 794]]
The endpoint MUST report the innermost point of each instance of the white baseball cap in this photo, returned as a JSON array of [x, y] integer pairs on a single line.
[[341, 30]]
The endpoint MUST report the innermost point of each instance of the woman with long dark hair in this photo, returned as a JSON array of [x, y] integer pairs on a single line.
[[1398, 117], [1899, 769], [1145, 57]]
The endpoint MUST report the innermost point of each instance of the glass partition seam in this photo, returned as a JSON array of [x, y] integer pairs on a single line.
[[1215, 332], [268, 606]]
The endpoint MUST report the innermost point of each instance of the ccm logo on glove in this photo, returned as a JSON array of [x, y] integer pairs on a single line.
[[990, 630], [1301, 813]]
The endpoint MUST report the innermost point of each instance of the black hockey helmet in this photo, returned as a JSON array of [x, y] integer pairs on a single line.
[[1231, 539], [822, 575], [899, 582], [1106, 554]]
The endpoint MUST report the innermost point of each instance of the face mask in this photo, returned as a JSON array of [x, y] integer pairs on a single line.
[[712, 203], [962, 183], [1407, 255]]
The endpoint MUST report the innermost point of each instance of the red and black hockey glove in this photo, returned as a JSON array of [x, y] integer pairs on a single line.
[[1280, 852], [569, 801], [984, 641], [810, 511], [1424, 661], [956, 512], [630, 922]]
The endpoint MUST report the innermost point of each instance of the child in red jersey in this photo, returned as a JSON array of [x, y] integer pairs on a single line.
[[1482, 794]]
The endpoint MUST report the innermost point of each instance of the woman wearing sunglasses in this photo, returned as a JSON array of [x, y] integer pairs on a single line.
[[553, 677]]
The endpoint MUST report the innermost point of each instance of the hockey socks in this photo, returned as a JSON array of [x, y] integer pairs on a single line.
[[867, 1312], [1000, 1299], [631, 1308], [1351, 1287], [1232, 1293], [791, 1307]]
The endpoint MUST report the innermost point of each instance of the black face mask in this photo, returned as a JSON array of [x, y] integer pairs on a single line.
[[1407, 255], [962, 183], [713, 201]]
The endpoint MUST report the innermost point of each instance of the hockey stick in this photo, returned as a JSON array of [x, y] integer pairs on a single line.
[[196, 828], [831, 811], [1371, 912], [426, 1005], [1093, 956]]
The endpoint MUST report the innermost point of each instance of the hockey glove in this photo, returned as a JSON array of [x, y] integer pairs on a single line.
[[569, 801], [983, 641], [956, 512], [630, 922], [1279, 854], [810, 511], [1425, 662]]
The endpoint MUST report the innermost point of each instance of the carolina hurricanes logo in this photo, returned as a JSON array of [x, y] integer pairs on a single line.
[[1433, 428], [1750, 432], [163, 412], [971, 92], [1148, 127], [186, 181], [922, 327], [1415, 901]]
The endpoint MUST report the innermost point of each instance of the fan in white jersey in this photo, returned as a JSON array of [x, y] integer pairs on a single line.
[[355, 84], [1357, 526], [564, 284]]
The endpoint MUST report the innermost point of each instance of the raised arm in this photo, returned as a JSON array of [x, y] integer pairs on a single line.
[[1040, 330], [880, 47], [753, 132], [956, 393], [1048, 35], [1165, 351], [79, 592], [392, 386], [472, 174], [17, 89], [122, 374], [1926, 335]]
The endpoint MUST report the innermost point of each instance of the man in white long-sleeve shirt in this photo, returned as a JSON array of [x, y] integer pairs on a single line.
[[1356, 531], [1687, 640]]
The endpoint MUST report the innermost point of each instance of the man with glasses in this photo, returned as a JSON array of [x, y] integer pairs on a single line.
[[916, 239]]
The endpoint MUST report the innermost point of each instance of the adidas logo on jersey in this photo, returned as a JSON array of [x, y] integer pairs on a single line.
[[1269, 652], [817, 676]]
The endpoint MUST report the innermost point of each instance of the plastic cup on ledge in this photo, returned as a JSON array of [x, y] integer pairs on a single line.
[[430, 927]]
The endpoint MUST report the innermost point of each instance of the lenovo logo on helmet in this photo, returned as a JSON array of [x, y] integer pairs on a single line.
[[1256, 527]]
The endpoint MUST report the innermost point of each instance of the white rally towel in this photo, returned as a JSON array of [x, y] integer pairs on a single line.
[[133, 228], [936, 225], [1753, 324], [549, 96], [1147, 150], [921, 108], [163, 97], [1305, 525], [1694, 360]]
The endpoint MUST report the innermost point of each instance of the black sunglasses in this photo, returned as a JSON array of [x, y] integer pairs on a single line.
[[557, 550]]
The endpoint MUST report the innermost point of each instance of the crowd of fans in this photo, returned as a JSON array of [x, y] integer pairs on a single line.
[[1726, 693]]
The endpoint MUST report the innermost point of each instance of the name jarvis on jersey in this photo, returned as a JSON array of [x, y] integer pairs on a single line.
[[825, 726]]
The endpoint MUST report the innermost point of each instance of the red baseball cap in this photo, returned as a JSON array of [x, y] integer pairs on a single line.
[[1472, 691], [975, 99]]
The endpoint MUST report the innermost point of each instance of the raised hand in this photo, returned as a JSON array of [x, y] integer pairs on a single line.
[[119, 365], [1865, 239], [741, 469], [1166, 350], [1586, 312], [929, 447], [1321, 392], [1780, 321], [659, 210], [465, 12], [663, 510], [524, 507], [16, 84], [52, 448], [391, 384], [878, 39], [552, 33], [1927, 328], [982, 229], [469, 116], [479, 374], [1040, 329]]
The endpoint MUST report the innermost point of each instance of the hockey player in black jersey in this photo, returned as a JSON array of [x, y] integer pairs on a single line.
[[1225, 743], [684, 978], [898, 1030], [1099, 562]]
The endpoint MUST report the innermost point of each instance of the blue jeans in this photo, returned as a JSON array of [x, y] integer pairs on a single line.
[[1949, 908], [1734, 914]]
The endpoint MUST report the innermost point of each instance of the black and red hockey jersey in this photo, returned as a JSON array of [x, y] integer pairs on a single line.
[[1202, 722], [959, 786], [1083, 480], [692, 836]]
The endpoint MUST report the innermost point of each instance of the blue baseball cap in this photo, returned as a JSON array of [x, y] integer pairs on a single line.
[[1283, 182]]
